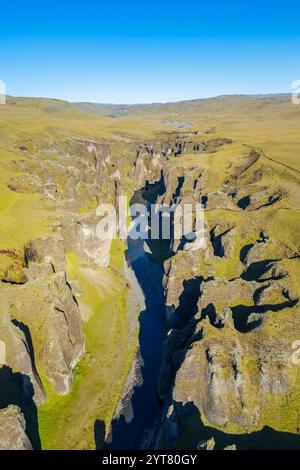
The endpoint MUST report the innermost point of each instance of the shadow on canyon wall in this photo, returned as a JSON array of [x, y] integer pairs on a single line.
[[191, 431], [17, 389]]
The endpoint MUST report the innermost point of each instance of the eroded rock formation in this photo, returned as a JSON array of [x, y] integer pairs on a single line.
[[13, 426]]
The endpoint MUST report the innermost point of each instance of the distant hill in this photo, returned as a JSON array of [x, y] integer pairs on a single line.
[[118, 110]]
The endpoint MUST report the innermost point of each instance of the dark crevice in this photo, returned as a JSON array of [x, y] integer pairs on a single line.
[[272, 199], [197, 432], [177, 192], [210, 312], [258, 292], [188, 300], [241, 313], [244, 202], [208, 356], [153, 190], [216, 242], [13, 283], [244, 252], [235, 369], [257, 269], [30, 255], [178, 343], [29, 346], [204, 200], [71, 291]]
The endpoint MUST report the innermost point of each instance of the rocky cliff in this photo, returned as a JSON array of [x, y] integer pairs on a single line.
[[57, 278], [228, 368]]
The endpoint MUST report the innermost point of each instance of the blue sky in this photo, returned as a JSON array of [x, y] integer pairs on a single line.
[[148, 51]]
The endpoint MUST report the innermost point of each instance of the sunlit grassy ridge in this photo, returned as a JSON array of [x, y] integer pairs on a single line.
[[271, 122]]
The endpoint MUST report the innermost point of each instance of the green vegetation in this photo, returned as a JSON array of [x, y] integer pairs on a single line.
[[67, 422]]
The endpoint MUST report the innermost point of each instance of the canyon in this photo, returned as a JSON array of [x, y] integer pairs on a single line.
[[159, 344]]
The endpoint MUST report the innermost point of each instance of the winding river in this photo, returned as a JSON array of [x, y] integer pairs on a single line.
[[135, 426]]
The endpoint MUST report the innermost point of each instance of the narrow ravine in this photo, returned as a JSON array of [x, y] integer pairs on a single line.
[[135, 428]]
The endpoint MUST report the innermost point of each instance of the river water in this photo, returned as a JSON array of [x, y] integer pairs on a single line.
[[133, 429]]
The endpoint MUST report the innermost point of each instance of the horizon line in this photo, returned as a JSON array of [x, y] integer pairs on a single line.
[[153, 103]]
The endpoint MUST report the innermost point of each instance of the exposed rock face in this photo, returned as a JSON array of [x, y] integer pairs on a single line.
[[17, 353], [89, 245], [221, 240], [57, 279], [25, 184], [41, 322], [48, 251], [226, 376], [52, 322], [12, 262], [49, 282], [12, 430], [211, 145], [233, 317], [148, 166]]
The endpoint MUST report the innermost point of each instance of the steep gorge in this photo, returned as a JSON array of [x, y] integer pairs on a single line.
[[217, 330], [58, 291], [232, 317], [229, 313]]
